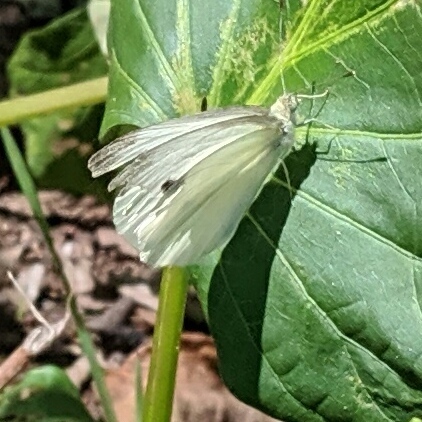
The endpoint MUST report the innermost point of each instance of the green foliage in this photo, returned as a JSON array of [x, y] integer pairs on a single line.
[[62, 53], [314, 304], [218, 49], [28, 188], [44, 394]]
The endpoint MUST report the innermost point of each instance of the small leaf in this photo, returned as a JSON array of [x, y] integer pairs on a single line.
[[63, 52], [46, 394]]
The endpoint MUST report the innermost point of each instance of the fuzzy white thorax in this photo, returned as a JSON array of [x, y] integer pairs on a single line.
[[284, 108]]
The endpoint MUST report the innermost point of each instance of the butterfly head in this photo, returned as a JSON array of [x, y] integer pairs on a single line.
[[284, 108]]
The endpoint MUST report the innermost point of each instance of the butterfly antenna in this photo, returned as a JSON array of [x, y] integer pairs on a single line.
[[324, 95]]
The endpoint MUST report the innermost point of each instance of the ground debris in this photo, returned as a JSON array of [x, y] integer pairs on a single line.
[[118, 296]]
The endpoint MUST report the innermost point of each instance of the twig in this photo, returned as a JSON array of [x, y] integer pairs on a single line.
[[39, 339]]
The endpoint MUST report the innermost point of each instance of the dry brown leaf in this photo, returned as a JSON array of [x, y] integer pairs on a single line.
[[200, 394]]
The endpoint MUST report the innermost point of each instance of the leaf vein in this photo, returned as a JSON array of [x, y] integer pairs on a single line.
[[290, 55], [142, 94], [339, 215], [227, 36], [323, 315], [152, 41], [359, 133], [398, 62], [259, 351], [415, 50]]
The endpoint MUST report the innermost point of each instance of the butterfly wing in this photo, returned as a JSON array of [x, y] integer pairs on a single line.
[[173, 159], [189, 181], [173, 132], [205, 210]]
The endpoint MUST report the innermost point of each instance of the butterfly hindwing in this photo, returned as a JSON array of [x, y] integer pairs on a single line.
[[194, 219]]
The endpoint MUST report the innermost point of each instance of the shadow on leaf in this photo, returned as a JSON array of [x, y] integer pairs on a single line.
[[237, 305]]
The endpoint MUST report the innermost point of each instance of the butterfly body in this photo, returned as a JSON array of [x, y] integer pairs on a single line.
[[187, 182]]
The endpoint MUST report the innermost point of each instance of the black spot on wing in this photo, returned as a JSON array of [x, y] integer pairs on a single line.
[[171, 185], [204, 104]]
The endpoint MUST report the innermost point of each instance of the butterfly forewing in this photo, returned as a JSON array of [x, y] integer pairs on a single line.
[[126, 148], [174, 159]]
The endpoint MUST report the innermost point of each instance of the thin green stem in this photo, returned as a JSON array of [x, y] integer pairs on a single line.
[[81, 94], [162, 373], [139, 400], [88, 348], [29, 190]]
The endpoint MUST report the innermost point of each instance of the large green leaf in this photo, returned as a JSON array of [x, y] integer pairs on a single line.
[[315, 303]]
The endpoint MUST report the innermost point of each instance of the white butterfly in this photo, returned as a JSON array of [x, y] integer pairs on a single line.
[[189, 181]]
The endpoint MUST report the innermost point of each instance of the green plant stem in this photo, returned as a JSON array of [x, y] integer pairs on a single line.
[[165, 351], [88, 348], [29, 190], [81, 94], [138, 391]]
